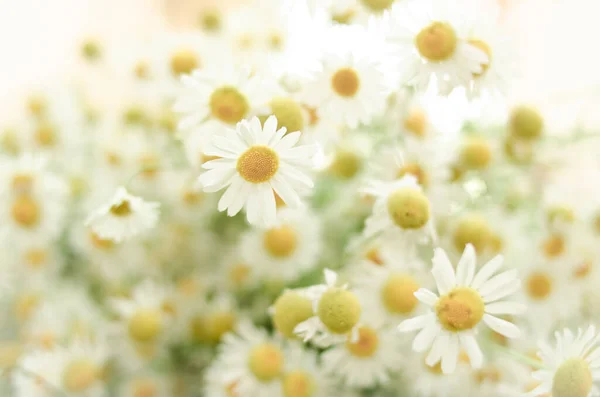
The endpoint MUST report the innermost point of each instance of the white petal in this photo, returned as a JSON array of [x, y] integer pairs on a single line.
[[505, 308], [230, 194], [269, 207], [415, 323], [435, 354], [287, 141], [465, 269], [443, 272], [487, 271], [285, 192], [426, 296], [468, 341], [502, 327], [503, 292], [330, 277], [425, 337], [498, 282], [450, 356]]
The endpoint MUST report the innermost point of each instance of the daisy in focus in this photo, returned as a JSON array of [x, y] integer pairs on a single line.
[[255, 163], [465, 300], [571, 368], [125, 216]]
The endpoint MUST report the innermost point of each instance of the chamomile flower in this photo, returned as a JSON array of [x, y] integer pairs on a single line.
[[430, 381], [291, 308], [466, 299], [571, 368], [303, 374], [148, 383], [256, 162], [285, 251], [432, 44], [336, 316], [125, 216]]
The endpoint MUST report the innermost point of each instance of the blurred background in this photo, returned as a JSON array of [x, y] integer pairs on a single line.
[[40, 41]]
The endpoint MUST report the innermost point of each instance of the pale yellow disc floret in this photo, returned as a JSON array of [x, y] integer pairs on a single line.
[[228, 104], [211, 327], [472, 229], [26, 211], [415, 170], [415, 122], [339, 310], [80, 374], [291, 309], [298, 384], [538, 285], [398, 293], [554, 246], [377, 5], [572, 379], [346, 164], [121, 210], [437, 42], [46, 135], [184, 61], [409, 208], [289, 113], [266, 362], [345, 82], [460, 310], [210, 20], [258, 164], [145, 325], [281, 241], [366, 345], [475, 154], [526, 123]]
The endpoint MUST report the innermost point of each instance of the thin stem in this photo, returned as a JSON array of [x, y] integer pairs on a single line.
[[519, 356]]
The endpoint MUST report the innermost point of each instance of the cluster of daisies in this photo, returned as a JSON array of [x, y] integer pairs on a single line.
[[298, 199]]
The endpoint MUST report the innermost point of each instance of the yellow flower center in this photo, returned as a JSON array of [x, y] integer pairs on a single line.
[[437, 42], [36, 105], [141, 70], [460, 310], [398, 293], [572, 379], [239, 273], [345, 82], [45, 135], [79, 375], [409, 208], [22, 183], [276, 41], [485, 48], [289, 114], [258, 164], [192, 197], [145, 325], [553, 246], [560, 214], [346, 164], [298, 384], [374, 256], [91, 50], [210, 20], [366, 345], [415, 170], [25, 305], [339, 310], [377, 5], [539, 285], [290, 309], [122, 209], [211, 327], [416, 122], [473, 229], [184, 61], [25, 211], [281, 241], [229, 105], [135, 115], [145, 388], [345, 17], [36, 257], [583, 270], [476, 154], [266, 362], [526, 123]]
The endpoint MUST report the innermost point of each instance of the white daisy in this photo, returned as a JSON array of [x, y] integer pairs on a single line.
[[125, 216], [303, 375], [571, 369], [255, 164], [431, 44], [430, 381], [465, 300], [336, 316], [285, 251]]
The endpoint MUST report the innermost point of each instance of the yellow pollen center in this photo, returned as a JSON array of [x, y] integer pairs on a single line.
[[485, 48], [366, 345], [134, 115], [25, 211], [398, 294], [22, 183], [553, 246], [526, 123], [121, 210], [461, 309], [210, 20], [281, 241], [45, 135], [36, 258], [415, 170], [228, 104], [377, 5], [141, 70], [539, 285], [437, 42], [298, 384], [290, 309], [91, 50], [184, 61], [239, 273], [266, 362], [339, 310], [211, 327], [408, 208], [145, 325], [145, 388], [572, 379], [476, 154], [346, 164], [416, 122], [36, 105], [345, 82], [289, 114], [473, 229], [79, 375], [258, 164]]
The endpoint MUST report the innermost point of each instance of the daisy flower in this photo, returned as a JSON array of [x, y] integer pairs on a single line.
[[336, 311], [291, 308], [465, 300], [255, 164], [431, 43], [125, 216], [430, 381], [350, 88], [303, 375], [148, 383], [285, 251], [571, 368]]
